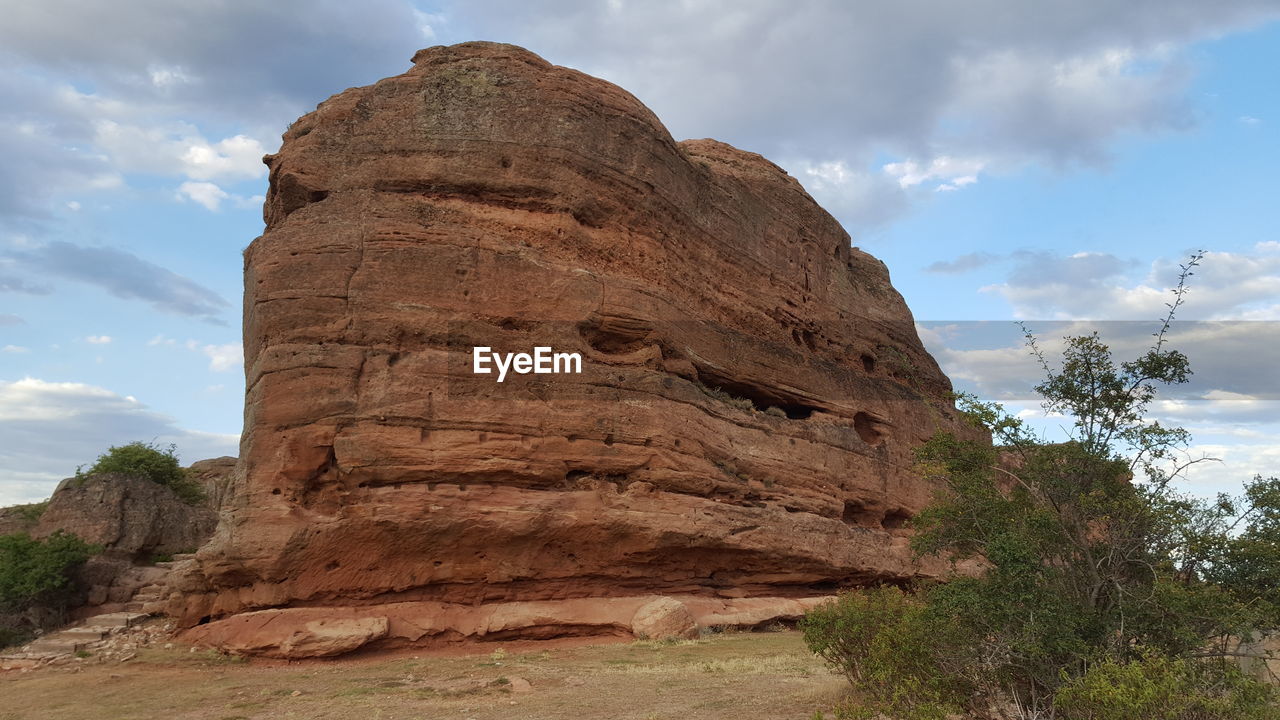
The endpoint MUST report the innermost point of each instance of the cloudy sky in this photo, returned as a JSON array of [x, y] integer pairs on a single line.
[[1049, 161]]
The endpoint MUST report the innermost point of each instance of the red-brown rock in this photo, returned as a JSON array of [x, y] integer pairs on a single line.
[[751, 388], [662, 619]]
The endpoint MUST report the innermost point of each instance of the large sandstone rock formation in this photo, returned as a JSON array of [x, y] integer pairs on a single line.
[[740, 436]]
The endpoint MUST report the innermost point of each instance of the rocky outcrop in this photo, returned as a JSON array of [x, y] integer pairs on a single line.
[[293, 633], [20, 518], [214, 477], [751, 386], [128, 516]]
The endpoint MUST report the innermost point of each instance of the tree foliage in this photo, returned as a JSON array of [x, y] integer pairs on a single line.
[[1095, 569], [882, 642], [38, 572], [156, 463]]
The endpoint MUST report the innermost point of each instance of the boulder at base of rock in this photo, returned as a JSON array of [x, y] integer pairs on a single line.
[[301, 633], [323, 638], [424, 623], [664, 619]]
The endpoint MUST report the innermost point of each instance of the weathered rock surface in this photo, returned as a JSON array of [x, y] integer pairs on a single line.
[[751, 390], [128, 516], [19, 518], [288, 632], [662, 619], [215, 477]]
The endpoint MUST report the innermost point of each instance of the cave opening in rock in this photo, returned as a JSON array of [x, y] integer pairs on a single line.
[[857, 513], [895, 519], [762, 399], [867, 427]]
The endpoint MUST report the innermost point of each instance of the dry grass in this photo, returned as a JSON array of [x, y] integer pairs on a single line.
[[745, 675]]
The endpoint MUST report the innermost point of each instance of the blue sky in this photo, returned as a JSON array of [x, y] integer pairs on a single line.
[[1006, 161]]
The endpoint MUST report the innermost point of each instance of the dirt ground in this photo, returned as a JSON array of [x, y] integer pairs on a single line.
[[732, 675]]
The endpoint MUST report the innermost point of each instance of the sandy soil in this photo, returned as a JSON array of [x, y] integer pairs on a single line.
[[736, 675]]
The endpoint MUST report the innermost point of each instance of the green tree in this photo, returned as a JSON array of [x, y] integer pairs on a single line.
[[36, 575], [156, 463], [38, 572], [1091, 559]]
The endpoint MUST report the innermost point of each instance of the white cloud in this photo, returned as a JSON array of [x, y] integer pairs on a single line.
[[204, 193], [952, 173], [224, 357], [1237, 461], [15, 349], [178, 150], [162, 73], [48, 428], [427, 23], [164, 77], [234, 157], [1099, 286], [862, 198], [1250, 120], [98, 339], [920, 83]]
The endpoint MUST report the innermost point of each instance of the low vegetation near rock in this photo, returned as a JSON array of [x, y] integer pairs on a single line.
[[36, 575], [158, 464], [1103, 597]]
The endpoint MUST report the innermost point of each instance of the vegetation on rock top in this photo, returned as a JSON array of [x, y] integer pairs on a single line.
[[156, 463]]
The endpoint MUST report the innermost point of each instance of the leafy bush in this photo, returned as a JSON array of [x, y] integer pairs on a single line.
[[155, 463], [39, 572], [30, 512], [883, 641], [1103, 587], [11, 636], [1162, 688]]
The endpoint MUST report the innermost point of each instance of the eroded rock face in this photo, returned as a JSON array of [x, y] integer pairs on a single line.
[[751, 387], [215, 478], [129, 517]]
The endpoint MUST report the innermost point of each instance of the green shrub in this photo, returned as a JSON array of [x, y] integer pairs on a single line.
[[1103, 587], [13, 636], [1162, 688], [39, 572], [882, 641], [30, 512], [153, 462]]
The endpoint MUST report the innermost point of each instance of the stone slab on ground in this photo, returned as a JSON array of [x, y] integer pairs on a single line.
[[116, 619]]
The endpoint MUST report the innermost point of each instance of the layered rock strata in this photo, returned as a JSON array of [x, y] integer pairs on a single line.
[[751, 390]]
